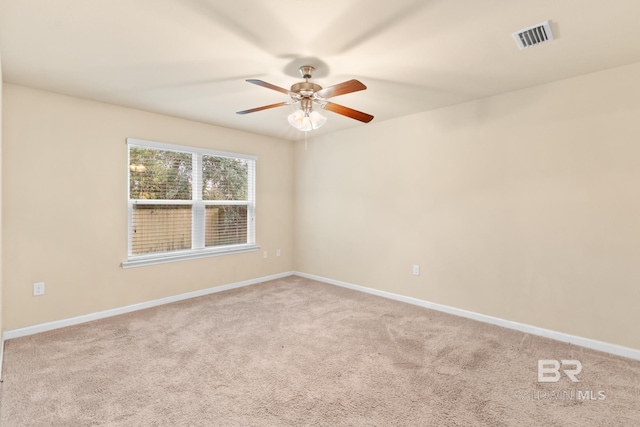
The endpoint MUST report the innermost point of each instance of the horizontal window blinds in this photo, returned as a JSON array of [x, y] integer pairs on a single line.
[[161, 228], [183, 199], [225, 225]]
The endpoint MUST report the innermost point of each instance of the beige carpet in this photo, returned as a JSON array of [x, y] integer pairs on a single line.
[[295, 352]]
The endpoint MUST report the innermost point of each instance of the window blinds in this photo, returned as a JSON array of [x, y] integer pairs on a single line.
[[187, 199]]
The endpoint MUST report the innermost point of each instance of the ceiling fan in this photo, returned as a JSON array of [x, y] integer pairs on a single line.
[[308, 94]]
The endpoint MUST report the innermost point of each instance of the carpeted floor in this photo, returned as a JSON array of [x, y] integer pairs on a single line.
[[294, 352]]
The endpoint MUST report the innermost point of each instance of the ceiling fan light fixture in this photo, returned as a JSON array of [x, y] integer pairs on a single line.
[[317, 119], [296, 119], [306, 122]]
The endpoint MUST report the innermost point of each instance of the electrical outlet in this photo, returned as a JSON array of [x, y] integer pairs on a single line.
[[278, 252], [264, 254], [38, 289], [416, 270]]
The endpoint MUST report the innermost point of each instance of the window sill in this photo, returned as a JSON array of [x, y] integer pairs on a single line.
[[141, 261]]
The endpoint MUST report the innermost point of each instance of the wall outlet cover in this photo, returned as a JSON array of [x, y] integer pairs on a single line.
[[38, 288]]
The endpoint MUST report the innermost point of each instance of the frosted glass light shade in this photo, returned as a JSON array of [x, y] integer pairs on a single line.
[[317, 119], [301, 121]]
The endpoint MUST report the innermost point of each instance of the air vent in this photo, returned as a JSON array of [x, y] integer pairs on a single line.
[[533, 36]]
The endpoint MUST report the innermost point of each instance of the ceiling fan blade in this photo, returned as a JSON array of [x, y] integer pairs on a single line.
[[266, 107], [349, 112], [268, 86], [341, 89]]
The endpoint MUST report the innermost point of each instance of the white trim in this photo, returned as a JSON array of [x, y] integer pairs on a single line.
[[2, 354], [190, 202], [198, 228], [618, 350], [251, 207], [185, 148], [558, 336], [143, 260], [185, 202], [56, 324]]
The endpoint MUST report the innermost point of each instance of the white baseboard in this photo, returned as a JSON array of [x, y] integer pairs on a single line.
[[43, 327], [534, 330], [558, 336], [1, 355]]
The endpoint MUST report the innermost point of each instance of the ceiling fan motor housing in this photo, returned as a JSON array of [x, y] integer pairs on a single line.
[[307, 71], [305, 89]]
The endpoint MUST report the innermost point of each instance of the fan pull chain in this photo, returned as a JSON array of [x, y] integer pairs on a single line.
[[305, 141]]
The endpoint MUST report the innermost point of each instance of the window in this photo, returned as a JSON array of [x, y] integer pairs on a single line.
[[188, 203]]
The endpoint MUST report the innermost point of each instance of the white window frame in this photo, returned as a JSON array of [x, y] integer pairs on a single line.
[[198, 249]]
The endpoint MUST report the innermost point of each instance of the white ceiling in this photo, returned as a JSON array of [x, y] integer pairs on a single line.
[[190, 58]]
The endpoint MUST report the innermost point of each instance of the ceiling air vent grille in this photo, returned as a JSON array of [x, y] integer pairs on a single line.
[[534, 35]]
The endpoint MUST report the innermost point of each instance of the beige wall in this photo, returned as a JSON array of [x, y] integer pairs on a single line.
[[523, 206], [1, 132], [64, 170]]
